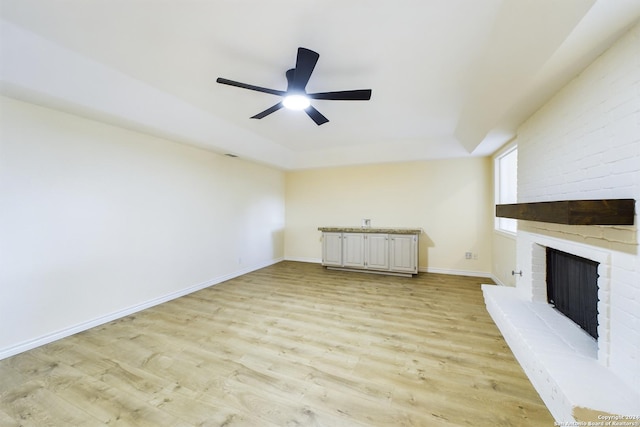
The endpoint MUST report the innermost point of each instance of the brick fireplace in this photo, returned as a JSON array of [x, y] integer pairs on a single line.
[[533, 286], [578, 377]]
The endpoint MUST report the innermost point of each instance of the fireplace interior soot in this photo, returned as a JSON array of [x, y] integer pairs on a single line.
[[572, 287]]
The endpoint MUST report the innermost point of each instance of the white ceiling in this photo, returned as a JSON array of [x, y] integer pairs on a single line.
[[450, 78]]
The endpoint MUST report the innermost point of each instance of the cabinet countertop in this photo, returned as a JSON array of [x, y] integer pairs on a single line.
[[387, 230]]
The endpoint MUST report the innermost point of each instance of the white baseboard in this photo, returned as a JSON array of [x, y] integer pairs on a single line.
[[422, 270], [304, 259], [63, 333], [498, 281], [456, 272]]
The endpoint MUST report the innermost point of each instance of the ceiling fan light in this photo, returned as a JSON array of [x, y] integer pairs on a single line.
[[296, 102]]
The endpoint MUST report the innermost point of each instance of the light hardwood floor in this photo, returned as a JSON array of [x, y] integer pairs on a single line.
[[288, 345]]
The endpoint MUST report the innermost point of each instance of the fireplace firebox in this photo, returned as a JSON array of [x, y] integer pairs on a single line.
[[572, 288]]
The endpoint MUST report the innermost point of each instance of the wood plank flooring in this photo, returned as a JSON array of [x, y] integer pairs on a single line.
[[288, 345]]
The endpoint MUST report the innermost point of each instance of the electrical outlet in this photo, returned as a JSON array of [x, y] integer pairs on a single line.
[[468, 255], [475, 256]]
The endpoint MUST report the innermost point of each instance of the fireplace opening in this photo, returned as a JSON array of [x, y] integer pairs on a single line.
[[572, 288]]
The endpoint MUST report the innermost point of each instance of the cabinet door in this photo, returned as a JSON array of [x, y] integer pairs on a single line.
[[332, 249], [377, 251], [353, 250], [404, 252]]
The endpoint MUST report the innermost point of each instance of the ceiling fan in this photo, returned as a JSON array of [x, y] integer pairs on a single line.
[[295, 97]]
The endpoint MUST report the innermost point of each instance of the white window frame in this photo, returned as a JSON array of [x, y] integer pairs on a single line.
[[502, 194]]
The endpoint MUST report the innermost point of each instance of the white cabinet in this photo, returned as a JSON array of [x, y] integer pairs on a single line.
[[403, 252], [353, 250], [373, 251], [332, 249], [377, 251]]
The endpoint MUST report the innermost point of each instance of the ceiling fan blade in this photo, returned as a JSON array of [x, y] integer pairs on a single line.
[[291, 75], [305, 63], [268, 111], [315, 115], [344, 95], [250, 87]]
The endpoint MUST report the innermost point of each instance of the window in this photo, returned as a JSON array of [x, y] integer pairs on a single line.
[[506, 179]]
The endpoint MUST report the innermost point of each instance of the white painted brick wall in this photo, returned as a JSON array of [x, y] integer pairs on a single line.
[[585, 144]]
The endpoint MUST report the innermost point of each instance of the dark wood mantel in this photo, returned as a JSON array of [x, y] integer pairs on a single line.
[[573, 212]]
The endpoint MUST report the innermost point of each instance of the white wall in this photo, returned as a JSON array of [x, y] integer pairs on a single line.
[[504, 258], [97, 221], [449, 199], [585, 144]]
